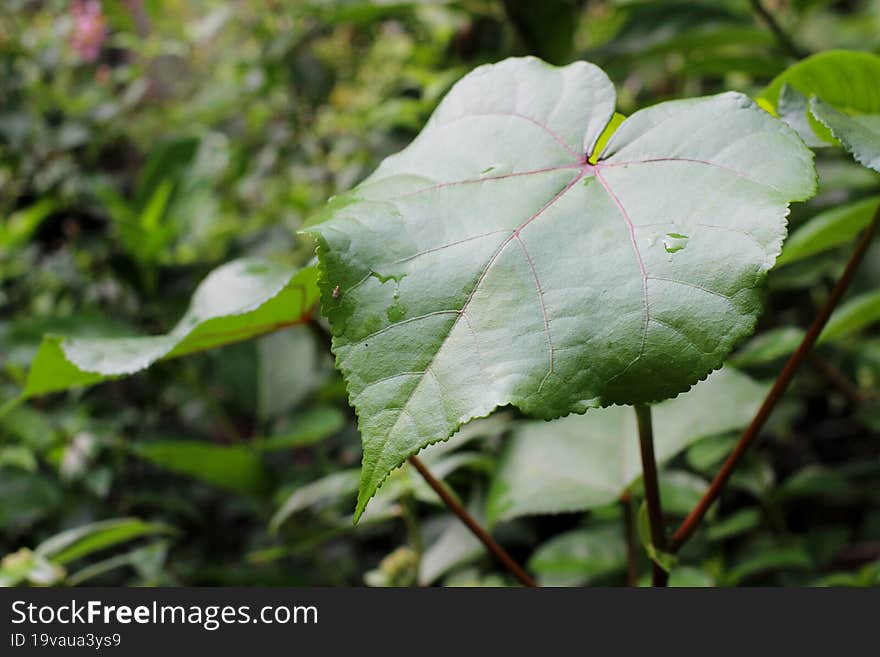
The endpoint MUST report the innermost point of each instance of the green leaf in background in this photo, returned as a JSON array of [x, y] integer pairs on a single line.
[[843, 88], [148, 561], [27, 498], [442, 459], [579, 556], [584, 462], [856, 314], [768, 346], [240, 300], [763, 558], [843, 78], [308, 428], [490, 263], [18, 227], [82, 541], [737, 523], [680, 491], [235, 467], [317, 493], [709, 451], [859, 134], [288, 370], [456, 545], [828, 229], [689, 577]]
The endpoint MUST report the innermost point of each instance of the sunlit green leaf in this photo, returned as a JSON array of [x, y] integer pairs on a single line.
[[845, 79], [843, 92]]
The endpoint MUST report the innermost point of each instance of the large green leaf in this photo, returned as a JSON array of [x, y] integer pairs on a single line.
[[585, 462], [491, 263], [240, 300]]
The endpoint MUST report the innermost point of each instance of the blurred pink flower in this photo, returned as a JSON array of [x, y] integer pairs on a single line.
[[89, 28]]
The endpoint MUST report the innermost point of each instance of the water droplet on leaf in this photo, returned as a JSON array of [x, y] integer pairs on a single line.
[[674, 242]]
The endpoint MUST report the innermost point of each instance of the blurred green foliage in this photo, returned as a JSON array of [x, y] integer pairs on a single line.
[[145, 143]]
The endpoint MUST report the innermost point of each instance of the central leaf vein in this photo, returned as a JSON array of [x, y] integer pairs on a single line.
[[635, 246]]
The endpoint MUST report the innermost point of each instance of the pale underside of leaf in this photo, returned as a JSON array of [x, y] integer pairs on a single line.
[[490, 263], [584, 462], [237, 301]]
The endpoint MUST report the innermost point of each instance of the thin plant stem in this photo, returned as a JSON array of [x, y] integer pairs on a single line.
[[629, 528], [692, 521], [455, 506], [785, 41], [652, 490]]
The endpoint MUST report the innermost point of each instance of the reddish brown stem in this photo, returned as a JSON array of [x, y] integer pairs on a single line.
[[455, 506], [651, 481], [690, 524]]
